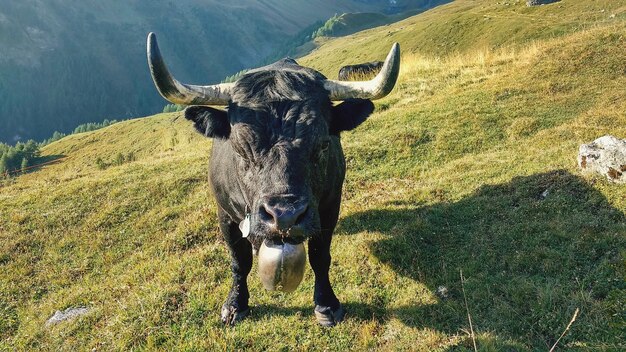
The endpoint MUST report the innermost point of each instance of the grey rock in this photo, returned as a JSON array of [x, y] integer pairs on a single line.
[[442, 292], [68, 314], [539, 2], [606, 156]]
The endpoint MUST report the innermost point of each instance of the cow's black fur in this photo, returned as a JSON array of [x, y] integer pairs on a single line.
[[279, 143]]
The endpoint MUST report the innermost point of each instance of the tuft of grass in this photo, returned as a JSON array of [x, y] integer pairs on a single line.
[[469, 164]]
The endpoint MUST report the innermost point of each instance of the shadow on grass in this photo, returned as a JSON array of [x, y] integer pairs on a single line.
[[531, 250], [363, 312], [8, 178], [49, 158], [41, 162]]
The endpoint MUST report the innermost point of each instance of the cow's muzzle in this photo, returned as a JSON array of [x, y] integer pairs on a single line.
[[286, 216]]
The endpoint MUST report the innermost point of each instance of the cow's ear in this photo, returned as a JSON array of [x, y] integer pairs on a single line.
[[208, 121], [350, 114]]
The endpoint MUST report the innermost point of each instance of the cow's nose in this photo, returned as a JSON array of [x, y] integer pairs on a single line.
[[284, 217]]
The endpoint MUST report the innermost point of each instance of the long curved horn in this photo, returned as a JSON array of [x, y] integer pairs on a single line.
[[377, 88], [180, 93]]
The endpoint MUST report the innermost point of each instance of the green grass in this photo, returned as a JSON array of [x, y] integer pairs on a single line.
[[448, 175]]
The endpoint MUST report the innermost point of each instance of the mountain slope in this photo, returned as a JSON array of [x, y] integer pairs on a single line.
[[468, 165], [68, 62], [467, 25]]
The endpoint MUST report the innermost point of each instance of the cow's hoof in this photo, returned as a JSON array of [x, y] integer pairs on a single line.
[[328, 317], [232, 315]]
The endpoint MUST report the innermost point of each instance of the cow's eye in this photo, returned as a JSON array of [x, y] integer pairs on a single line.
[[243, 150], [322, 150], [242, 154]]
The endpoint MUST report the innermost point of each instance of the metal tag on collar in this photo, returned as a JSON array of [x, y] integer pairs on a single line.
[[244, 226]]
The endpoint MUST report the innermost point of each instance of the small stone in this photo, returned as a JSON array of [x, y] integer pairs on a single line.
[[605, 156], [545, 194], [68, 314], [442, 292]]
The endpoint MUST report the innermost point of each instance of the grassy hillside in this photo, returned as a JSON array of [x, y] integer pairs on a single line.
[[468, 25], [468, 165], [345, 24]]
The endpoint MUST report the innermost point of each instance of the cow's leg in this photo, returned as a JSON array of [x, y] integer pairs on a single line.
[[328, 309], [236, 306]]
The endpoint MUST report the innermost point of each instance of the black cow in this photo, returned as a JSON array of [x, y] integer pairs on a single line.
[[360, 71], [277, 160]]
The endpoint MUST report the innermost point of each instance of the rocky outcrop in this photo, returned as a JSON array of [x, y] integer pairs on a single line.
[[606, 156], [539, 2]]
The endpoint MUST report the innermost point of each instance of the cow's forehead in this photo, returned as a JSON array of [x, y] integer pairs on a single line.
[[288, 82], [281, 104], [286, 121]]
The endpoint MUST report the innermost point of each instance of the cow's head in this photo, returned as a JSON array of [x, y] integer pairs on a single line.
[[282, 129]]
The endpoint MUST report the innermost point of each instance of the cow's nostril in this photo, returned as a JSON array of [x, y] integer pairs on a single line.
[[302, 214], [266, 213], [282, 218]]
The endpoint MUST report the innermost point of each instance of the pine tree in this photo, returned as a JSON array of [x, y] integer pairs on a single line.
[[4, 165], [31, 150], [10, 161], [24, 164]]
